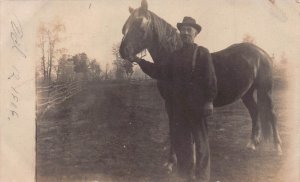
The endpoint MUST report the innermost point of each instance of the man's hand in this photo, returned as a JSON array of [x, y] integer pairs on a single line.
[[208, 108]]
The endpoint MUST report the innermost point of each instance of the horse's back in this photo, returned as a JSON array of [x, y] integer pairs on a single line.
[[236, 70]]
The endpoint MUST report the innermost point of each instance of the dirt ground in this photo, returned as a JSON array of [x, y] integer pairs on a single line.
[[119, 132]]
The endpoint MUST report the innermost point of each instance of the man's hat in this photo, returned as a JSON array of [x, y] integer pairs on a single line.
[[189, 21]]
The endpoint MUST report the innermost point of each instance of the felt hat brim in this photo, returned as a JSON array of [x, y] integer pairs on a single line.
[[196, 26]]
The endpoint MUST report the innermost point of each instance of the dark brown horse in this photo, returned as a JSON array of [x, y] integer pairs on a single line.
[[241, 69]]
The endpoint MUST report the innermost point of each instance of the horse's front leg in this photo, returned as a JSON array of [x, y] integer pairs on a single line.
[[172, 161]]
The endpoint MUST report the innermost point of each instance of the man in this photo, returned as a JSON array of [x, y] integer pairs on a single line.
[[191, 72]]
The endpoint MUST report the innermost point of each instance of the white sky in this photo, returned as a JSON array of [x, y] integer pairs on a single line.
[[94, 26]]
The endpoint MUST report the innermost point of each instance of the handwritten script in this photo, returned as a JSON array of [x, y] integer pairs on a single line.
[[16, 35]]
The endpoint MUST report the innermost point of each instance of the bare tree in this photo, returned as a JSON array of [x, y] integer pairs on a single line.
[[41, 44], [106, 72], [48, 38], [128, 67], [94, 70], [249, 38]]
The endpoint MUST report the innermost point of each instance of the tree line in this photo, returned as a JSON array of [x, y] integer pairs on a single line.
[[55, 64], [78, 66]]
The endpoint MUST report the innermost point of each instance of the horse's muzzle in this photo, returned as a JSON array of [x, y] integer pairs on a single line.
[[125, 51]]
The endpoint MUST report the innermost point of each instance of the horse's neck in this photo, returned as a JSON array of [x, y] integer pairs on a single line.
[[164, 41], [158, 53]]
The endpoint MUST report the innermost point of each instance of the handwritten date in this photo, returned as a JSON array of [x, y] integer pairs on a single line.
[[16, 35]]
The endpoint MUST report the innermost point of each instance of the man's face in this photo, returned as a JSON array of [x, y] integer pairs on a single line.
[[188, 34]]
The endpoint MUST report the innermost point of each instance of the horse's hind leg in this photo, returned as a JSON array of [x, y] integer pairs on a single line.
[[251, 105], [269, 114], [276, 137]]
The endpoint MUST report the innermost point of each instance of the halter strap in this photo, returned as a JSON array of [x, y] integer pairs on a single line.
[[194, 59]]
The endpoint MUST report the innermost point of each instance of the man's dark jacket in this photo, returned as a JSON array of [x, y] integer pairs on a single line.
[[190, 87]]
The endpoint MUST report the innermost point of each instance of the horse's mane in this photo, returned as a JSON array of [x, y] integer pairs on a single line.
[[167, 35]]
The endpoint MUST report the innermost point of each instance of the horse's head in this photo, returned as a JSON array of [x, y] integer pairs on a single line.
[[136, 31]]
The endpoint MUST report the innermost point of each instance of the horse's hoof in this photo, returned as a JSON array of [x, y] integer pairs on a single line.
[[251, 146], [278, 149], [169, 167], [256, 140]]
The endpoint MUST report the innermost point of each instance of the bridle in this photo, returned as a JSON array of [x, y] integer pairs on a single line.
[[147, 29]]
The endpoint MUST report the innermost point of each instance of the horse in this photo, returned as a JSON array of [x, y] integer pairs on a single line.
[[242, 70]]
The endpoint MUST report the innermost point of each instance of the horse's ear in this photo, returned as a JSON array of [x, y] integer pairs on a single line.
[[130, 10], [144, 5]]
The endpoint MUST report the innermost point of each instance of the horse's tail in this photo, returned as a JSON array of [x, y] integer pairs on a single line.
[[264, 96]]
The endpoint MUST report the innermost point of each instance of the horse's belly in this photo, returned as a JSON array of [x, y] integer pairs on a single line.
[[234, 78]]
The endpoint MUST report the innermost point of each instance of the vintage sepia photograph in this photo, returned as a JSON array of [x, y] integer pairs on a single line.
[[150, 91]]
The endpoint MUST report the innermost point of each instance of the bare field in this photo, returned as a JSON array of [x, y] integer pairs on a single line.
[[119, 132]]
